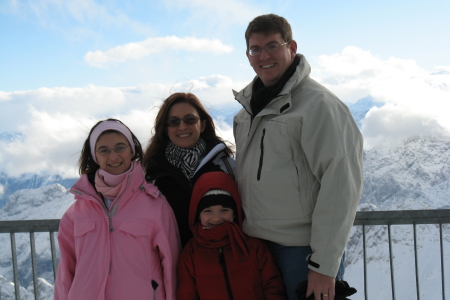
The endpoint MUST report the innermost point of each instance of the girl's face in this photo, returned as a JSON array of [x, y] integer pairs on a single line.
[[215, 215], [184, 135], [113, 162]]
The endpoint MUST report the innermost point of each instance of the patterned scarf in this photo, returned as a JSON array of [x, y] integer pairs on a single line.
[[222, 235], [186, 159]]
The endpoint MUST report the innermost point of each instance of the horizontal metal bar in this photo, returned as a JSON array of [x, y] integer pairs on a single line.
[[391, 217], [395, 217], [29, 226]]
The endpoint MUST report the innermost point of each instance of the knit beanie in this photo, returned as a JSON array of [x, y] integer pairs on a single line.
[[216, 197]]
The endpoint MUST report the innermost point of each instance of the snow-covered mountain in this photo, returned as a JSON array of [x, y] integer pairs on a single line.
[[414, 174], [10, 185]]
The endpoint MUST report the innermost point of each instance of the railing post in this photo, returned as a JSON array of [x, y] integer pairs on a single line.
[[15, 268], [391, 260], [365, 262], [442, 260], [416, 261], [53, 249], [33, 266]]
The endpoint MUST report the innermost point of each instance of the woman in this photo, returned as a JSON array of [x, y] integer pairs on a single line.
[[183, 147], [119, 239]]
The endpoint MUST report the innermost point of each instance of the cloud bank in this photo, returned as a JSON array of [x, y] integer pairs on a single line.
[[417, 101], [54, 122]]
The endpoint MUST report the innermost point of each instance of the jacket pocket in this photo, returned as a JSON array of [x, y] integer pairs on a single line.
[[141, 254], [261, 157], [84, 235], [82, 228], [135, 229]]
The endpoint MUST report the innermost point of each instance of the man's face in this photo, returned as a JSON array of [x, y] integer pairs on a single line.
[[270, 67]]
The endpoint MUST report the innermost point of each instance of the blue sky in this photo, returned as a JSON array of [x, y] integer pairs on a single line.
[[66, 64], [44, 43]]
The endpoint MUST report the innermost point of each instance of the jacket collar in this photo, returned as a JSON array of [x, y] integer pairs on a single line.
[[164, 168], [276, 106], [84, 189]]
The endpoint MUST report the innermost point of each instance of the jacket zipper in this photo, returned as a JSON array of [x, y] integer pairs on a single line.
[[261, 158], [113, 209], [225, 272]]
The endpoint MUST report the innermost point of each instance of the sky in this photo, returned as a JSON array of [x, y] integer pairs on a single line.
[[65, 64]]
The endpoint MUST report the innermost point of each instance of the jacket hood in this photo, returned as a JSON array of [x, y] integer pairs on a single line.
[[213, 181]]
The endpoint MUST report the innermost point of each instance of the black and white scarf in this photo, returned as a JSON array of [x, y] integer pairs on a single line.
[[186, 159]]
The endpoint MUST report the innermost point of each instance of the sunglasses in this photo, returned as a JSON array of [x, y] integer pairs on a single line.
[[188, 120]]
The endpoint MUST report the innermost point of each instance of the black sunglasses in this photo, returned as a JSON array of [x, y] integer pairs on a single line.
[[188, 120]]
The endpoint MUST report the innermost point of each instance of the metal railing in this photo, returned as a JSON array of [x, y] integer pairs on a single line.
[[403, 217], [363, 219], [31, 227]]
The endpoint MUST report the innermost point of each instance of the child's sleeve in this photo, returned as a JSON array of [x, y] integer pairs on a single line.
[[186, 288], [270, 275], [67, 260], [169, 245]]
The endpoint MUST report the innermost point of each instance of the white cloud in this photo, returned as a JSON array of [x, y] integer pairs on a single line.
[[54, 122], [392, 123], [139, 50], [418, 101]]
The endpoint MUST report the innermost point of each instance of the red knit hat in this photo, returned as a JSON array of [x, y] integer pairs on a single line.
[[214, 181]]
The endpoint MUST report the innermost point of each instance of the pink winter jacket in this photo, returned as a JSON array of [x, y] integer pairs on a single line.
[[130, 252]]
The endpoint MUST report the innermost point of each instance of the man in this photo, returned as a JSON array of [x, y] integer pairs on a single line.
[[298, 161]]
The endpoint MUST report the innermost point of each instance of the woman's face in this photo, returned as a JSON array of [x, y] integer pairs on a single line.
[[184, 135], [114, 163]]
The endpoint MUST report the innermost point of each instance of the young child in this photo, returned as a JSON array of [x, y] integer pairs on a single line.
[[220, 261], [119, 239]]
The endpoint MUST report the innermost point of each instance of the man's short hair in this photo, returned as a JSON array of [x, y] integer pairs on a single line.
[[269, 24]]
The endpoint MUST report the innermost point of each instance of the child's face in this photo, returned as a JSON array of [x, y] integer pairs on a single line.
[[114, 163], [216, 215]]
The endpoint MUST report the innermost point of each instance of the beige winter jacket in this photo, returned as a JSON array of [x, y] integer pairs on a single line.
[[299, 168]]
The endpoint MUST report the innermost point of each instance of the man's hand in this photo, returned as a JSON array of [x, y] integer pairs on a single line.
[[321, 285]]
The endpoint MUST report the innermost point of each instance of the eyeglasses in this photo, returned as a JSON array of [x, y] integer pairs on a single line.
[[269, 49], [188, 120], [118, 149]]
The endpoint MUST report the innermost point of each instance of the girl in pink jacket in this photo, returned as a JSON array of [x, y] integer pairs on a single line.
[[119, 239]]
